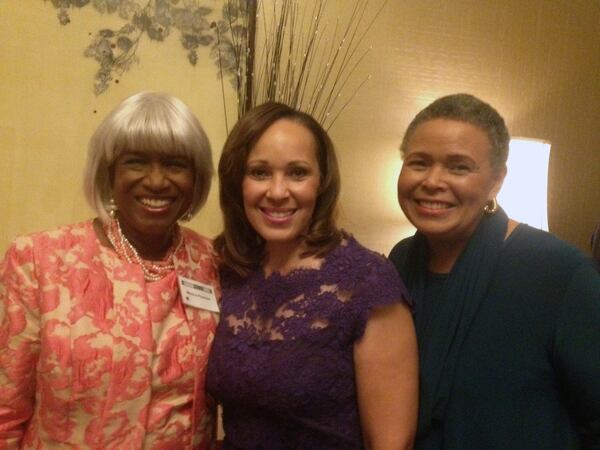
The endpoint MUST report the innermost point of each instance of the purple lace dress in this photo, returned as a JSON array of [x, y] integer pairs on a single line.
[[282, 360]]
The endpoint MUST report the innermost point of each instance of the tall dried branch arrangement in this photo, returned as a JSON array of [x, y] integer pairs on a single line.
[[299, 58]]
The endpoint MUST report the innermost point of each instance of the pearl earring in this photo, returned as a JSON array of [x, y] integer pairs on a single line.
[[112, 208]]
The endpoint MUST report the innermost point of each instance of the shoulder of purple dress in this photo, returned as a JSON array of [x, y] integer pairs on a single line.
[[375, 266], [355, 247]]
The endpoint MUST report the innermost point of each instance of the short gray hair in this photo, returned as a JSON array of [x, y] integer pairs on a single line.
[[147, 122], [470, 109]]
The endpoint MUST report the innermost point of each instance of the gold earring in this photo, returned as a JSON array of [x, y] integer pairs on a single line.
[[491, 206]]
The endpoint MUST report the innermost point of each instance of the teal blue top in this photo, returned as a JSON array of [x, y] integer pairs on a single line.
[[526, 371]]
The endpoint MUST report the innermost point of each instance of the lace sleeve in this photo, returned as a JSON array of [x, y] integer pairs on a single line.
[[380, 286]]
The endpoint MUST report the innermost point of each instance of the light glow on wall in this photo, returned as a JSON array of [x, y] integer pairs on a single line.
[[524, 195]]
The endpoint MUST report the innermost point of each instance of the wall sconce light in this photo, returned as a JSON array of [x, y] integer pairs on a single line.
[[524, 194]]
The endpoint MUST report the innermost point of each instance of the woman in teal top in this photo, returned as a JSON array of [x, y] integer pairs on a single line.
[[507, 317]]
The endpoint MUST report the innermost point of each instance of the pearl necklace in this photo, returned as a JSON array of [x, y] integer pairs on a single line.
[[153, 270]]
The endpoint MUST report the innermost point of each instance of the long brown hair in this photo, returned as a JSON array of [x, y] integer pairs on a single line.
[[240, 248]]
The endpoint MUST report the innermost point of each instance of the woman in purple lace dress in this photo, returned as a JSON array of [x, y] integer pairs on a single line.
[[316, 346]]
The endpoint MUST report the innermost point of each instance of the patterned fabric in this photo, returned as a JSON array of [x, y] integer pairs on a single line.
[[92, 356], [282, 363]]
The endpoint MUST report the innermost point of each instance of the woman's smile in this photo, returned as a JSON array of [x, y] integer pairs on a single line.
[[156, 204], [433, 204], [278, 215]]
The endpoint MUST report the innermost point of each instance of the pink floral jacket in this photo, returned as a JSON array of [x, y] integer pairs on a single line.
[[93, 356]]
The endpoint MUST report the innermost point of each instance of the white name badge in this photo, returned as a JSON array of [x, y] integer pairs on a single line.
[[198, 295]]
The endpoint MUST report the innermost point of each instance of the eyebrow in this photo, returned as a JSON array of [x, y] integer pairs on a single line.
[[417, 154], [290, 163], [453, 156]]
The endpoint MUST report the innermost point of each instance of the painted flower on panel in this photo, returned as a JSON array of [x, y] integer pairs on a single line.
[[115, 50]]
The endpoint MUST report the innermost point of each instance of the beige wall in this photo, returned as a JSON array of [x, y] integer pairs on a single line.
[[537, 61]]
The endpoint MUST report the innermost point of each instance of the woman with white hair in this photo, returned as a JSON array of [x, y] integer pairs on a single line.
[[103, 344]]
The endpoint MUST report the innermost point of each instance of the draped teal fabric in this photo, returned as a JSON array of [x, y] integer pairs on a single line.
[[441, 335], [509, 345]]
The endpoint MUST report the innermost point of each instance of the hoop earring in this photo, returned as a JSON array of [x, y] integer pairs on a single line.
[[491, 206]]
